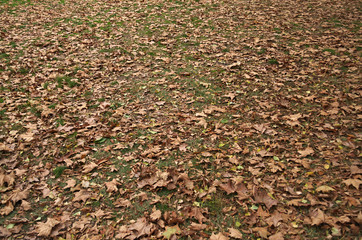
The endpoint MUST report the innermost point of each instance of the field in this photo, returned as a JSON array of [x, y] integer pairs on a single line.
[[180, 119]]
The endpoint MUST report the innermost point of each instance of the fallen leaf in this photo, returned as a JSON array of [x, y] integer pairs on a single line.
[[45, 229], [155, 215], [354, 182], [88, 168], [70, 183], [234, 233], [197, 227], [112, 185], [141, 227], [306, 152], [324, 189], [277, 236], [274, 219], [18, 195], [317, 216], [261, 196], [82, 195], [262, 231], [7, 209], [170, 231], [218, 236]]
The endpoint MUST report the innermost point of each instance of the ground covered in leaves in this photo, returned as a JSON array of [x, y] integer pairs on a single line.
[[180, 119]]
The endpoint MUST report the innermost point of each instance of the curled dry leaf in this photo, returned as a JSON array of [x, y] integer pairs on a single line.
[[324, 189]]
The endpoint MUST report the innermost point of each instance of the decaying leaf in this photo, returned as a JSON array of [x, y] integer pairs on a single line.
[[170, 231]]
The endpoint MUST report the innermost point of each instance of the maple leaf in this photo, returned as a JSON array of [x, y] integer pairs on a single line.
[[317, 216], [88, 168], [234, 233], [45, 229], [25, 205], [354, 182], [70, 183], [277, 236], [27, 137], [82, 195], [170, 231], [218, 236], [306, 152], [262, 231], [112, 185], [7, 209], [9, 179], [261, 196], [141, 227], [19, 195], [155, 215], [274, 219]]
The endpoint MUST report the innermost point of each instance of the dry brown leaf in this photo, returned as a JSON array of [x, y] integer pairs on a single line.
[[218, 236], [6, 178], [197, 227], [354, 182], [82, 195], [70, 183], [324, 189], [141, 227], [155, 215], [262, 231], [45, 229], [112, 186], [7, 209], [306, 152], [234, 233], [18, 195], [317, 216], [88, 168], [261, 196], [277, 236]]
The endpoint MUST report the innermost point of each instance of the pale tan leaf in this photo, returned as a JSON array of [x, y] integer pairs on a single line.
[[45, 229], [324, 189], [218, 236], [234, 233], [354, 182]]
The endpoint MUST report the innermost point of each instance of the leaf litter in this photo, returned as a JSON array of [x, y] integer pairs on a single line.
[[180, 119]]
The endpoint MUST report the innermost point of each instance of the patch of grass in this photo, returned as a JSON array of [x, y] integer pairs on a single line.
[[59, 170], [61, 80], [332, 51], [273, 61]]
